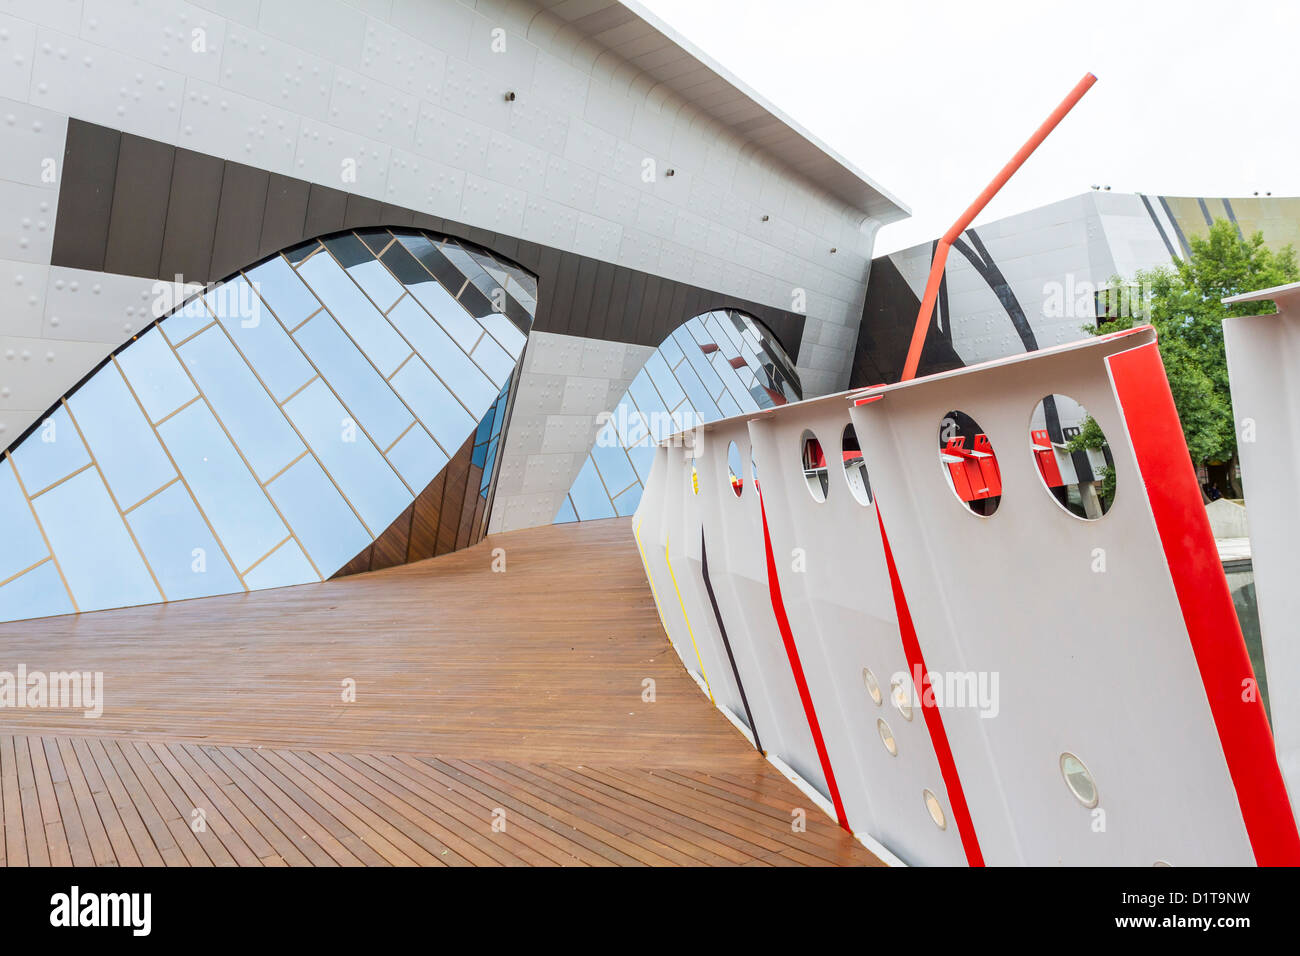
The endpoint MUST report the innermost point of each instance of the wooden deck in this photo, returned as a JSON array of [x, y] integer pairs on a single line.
[[481, 698]]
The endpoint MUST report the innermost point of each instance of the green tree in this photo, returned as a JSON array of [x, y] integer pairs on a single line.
[[1183, 303]]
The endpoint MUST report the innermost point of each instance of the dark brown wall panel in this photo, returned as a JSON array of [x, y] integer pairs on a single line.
[[191, 216], [224, 216], [141, 193], [86, 196], [390, 547], [326, 209], [425, 520], [239, 218], [286, 214]]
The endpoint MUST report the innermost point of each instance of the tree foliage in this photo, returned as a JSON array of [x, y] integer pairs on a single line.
[[1183, 303]]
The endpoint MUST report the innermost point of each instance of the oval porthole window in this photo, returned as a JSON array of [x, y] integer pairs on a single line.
[[969, 464], [900, 692], [1079, 780], [1072, 456], [814, 467], [887, 737], [735, 469], [753, 468], [695, 477], [855, 467], [936, 811], [869, 681]]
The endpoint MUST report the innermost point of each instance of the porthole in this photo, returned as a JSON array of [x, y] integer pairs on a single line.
[[815, 472], [873, 687], [1072, 457], [936, 811], [695, 477], [1079, 780], [855, 467], [969, 463], [900, 692], [887, 737], [735, 469]]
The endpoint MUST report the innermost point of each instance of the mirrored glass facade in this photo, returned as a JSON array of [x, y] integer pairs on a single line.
[[716, 365], [270, 429]]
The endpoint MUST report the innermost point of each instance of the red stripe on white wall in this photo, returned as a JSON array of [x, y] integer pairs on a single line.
[[933, 719], [1212, 627], [792, 652]]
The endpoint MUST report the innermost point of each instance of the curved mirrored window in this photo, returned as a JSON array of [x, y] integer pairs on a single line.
[[714, 366], [271, 428]]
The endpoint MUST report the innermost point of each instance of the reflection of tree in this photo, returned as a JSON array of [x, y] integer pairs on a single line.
[[1092, 438]]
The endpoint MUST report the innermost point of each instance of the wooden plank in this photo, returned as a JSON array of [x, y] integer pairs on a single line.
[[124, 853], [78, 842], [55, 836], [141, 842]]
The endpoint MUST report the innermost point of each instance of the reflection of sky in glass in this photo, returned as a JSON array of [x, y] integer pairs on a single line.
[[716, 365], [268, 430]]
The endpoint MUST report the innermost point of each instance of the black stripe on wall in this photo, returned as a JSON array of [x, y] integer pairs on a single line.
[[722, 629], [140, 207]]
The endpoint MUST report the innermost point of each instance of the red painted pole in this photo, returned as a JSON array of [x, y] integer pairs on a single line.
[[1000, 180]]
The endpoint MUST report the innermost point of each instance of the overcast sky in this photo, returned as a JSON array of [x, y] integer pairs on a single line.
[[931, 97]]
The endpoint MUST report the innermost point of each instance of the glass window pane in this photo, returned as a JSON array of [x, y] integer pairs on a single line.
[[699, 397], [359, 262], [254, 421], [365, 478], [625, 504], [188, 319], [373, 404], [222, 484], [438, 350], [123, 442], [38, 593], [643, 457], [355, 313], [52, 451], [417, 458], [505, 332], [665, 380], [286, 566], [23, 545], [91, 542], [180, 547], [589, 497], [270, 351], [647, 399], [156, 377], [319, 516], [290, 301], [493, 359], [436, 407], [431, 293], [614, 467], [566, 512]]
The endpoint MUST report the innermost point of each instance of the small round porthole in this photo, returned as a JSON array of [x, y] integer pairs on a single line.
[[735, 470], [695, 478], [936, 811], [900, 692], [855, 467], [814, 467], [1072, 457], [887, 737], [872, 686], [969, 464], [1079, 780]]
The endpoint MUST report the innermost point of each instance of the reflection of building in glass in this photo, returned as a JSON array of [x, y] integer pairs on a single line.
[[716, 365], [271, 429]]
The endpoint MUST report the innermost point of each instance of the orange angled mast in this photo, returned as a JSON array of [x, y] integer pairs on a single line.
[[949, 237]]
